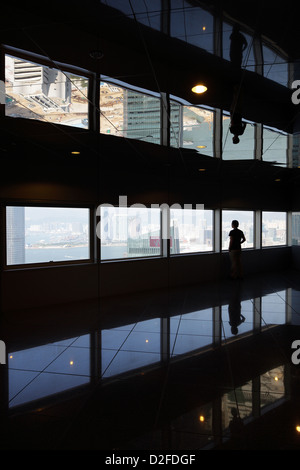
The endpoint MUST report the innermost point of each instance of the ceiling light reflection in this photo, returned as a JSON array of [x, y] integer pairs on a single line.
[[199, 89]]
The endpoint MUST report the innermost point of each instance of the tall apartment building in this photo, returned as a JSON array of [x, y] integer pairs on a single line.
[[43, 85], [15, 241], [142, 118]]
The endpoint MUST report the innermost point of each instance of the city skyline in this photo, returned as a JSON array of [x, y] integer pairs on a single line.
[[139, 229]]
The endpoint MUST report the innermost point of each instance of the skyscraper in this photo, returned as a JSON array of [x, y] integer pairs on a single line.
[[15, 235]]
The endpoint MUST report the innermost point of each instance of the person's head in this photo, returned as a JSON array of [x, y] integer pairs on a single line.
[[235, 139], [234, 330], [234, 224]]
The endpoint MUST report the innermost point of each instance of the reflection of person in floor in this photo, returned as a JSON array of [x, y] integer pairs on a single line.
[[234, 310], [238, 44], [237, 126], [236, 427], [236, 238]]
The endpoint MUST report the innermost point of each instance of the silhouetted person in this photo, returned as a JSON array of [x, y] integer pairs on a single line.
[[236, 238], [237, 126], [236, 427], [237, 46], [234, 310]]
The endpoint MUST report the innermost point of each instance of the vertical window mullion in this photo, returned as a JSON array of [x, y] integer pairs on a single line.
[[217, 230], [258, 141], [94, 103], [165, 121], [289, 228], [257, 230]]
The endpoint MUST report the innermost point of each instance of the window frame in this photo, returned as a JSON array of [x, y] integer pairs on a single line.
[[133, 258], [46, 264], [253, 247], [226, 134], [43, 61], [278, 134], [134, 89], [202, 252], [282, 245]]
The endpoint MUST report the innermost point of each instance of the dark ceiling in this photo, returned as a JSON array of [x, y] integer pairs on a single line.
[[67, 32]]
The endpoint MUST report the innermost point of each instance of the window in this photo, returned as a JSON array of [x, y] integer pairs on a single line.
[[275, 146], [248, 61], [192, 24], [235, 401], [46, 234], [43, 93], [275, 66], [191, 230], [274, 228], [129, 113], [129, 232], [246, 224], [130, 347], [40, 372], [237, 317], [195, 128], [146, 12], [273, 308], [296, 228], [272, 387], [191, 331], [244, 150]]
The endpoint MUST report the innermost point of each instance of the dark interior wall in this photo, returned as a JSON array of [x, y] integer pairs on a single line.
[[296, 256], [37, 168], [30, 288]]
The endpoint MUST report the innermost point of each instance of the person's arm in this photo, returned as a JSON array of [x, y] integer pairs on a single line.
[[243, 239], [230, 242]]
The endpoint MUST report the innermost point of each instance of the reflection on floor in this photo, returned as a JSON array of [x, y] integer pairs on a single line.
[[204, 367]]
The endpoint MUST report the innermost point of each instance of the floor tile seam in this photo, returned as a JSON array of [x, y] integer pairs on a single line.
[[39, 373], [44, 373], [130, 351], [64, 349], [117, 351], [135, 333], [229, 364]]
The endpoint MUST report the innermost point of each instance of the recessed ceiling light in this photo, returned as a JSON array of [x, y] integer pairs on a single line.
[[201, 146], [201, 169], [199, 89], [96, 54], [75, 152]]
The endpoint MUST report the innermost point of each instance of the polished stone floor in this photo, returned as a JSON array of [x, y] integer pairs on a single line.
[[205, 367]]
